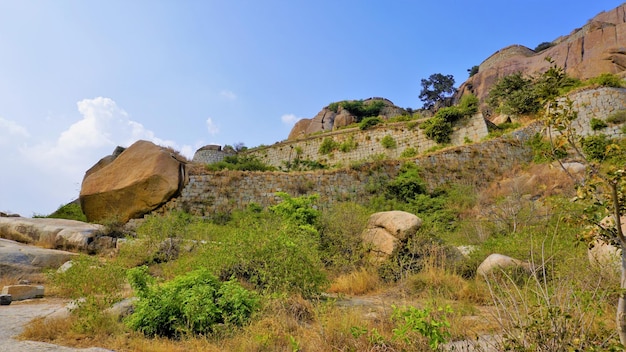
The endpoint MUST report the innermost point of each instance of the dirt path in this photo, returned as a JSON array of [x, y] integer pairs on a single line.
[[14, 317]]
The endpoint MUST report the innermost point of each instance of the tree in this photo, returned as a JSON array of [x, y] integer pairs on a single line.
[[436, 88], [472, 71], [604, 186]]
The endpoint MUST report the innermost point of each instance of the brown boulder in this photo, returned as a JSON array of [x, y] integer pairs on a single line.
[[299, 129], [139, 180], [386, 229], [598, 47]]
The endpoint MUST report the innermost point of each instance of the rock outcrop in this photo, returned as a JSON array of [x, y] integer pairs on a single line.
[[17, 259], [57, 233], [496, 262], [386, 229], [328, 120], [140, 179], [598, 47]]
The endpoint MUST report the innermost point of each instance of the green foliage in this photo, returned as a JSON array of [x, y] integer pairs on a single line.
[[359, 108], [543, 46], [300, 210], [543, 150], [388, 142], [514, 94], [341, 246], [407, 185], [411, 320], [468, 104], [369, 122], [472, 71], [436, 88], [596, 147], [450, 114], [70, 211], [617, 117], [240, 162], [194, 303], [437, 129], [608, 80], [409, 152], [94, 286], [328, 146], [348, 145], [597, 124]]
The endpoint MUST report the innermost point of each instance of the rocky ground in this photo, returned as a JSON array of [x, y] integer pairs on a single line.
[[14, 317]]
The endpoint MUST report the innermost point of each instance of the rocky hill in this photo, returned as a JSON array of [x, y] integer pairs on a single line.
[[597, 47]]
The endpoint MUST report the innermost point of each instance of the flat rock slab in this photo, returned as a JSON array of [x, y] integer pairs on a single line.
[[57, 232], [13, 318], [17, 259], [22, 292]]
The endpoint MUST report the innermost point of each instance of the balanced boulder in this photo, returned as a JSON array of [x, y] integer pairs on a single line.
[[140, 179], [385, 229]]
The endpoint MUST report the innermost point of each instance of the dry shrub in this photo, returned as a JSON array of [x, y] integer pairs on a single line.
[[12, 235], [47, 329], [356, 283]]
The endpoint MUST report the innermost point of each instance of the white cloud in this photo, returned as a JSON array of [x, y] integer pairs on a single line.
[[228, 95], [212, 127], [10, 131], [49, 173], [290, 119]]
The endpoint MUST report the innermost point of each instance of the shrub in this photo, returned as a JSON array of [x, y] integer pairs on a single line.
[[450, 114], [388, 142], [437, 129], [348, 145], [543, 150], [409, 152], [241, 163], [328, 146], [595, 147], [407, 185], [71, 211], [597, 124], [617, 117], [469, 104], [369, 122], [194, 303], [412, 320], [608, 80], [543, 46], [514, 94], [472, 71]]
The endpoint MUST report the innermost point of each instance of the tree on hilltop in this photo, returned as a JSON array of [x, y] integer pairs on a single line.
[[436, 88]]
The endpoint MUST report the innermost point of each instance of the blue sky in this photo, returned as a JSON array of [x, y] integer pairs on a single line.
[[79, 77]]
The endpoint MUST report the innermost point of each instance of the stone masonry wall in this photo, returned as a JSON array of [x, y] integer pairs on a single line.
[[213, 192], [598, 103], [405, 134], [209, 192]]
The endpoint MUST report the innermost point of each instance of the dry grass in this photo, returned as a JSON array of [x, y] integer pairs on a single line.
[[356, 283]]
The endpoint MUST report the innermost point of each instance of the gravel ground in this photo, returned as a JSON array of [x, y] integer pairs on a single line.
[[13, 318]]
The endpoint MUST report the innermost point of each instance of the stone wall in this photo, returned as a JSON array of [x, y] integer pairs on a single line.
[[368, 143], [210, 154], [598, 103], [208, 193]]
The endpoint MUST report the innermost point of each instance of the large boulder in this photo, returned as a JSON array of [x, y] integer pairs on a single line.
[[603, 255], [140, 179], [597, 47], [18, 259], [497, 262], [386, 229]]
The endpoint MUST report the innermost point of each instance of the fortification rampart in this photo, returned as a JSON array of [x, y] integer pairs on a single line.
[[368, 143], [598, 103]]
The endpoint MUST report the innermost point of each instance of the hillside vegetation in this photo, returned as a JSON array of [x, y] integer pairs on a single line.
[[298, 277]]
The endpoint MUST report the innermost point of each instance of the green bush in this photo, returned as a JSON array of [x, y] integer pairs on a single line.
[[450, 114], [369, 122], [473, 71], [543, 46], [388, 142], [328, 146], [348, 145], [595, 147], [543, 150], [468, 104], [71, 211], [409, 152], [597, 124], [194, 303], [437, 129], [241, 163], [514, 94], [617, 117], [608, 80], [407, 185]]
